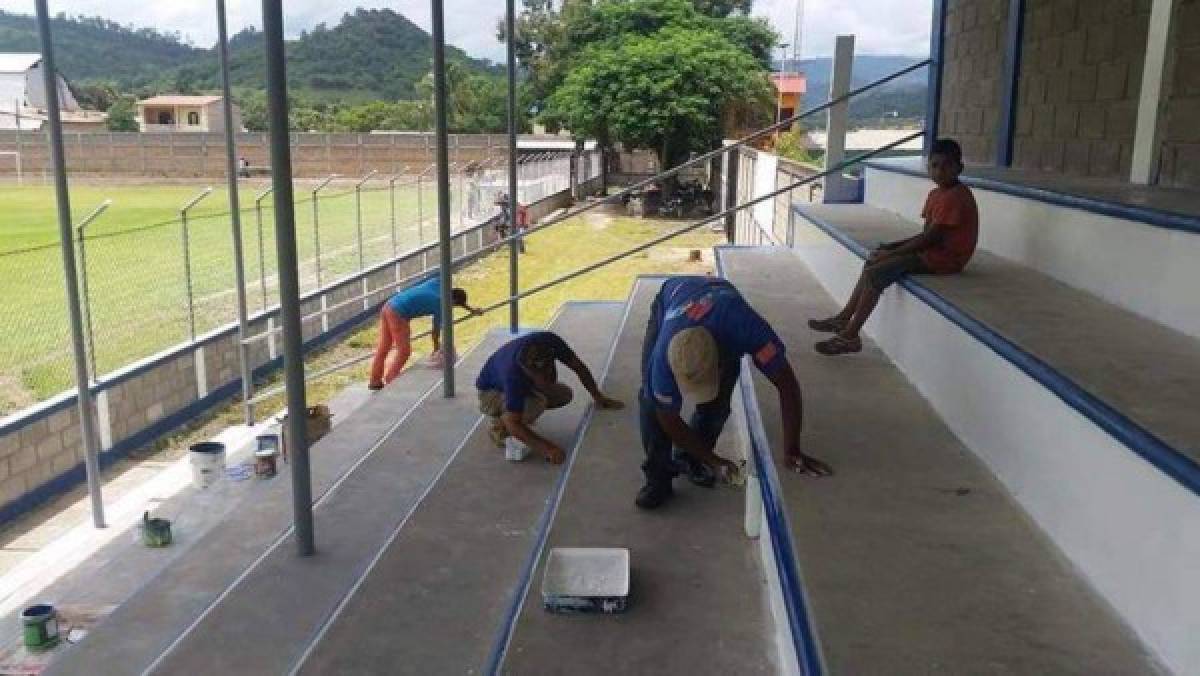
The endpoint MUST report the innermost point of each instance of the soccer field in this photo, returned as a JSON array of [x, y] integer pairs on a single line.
[[137, 270]]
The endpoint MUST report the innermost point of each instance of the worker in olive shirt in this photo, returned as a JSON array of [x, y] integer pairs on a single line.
[[699, 329], [519, 382]]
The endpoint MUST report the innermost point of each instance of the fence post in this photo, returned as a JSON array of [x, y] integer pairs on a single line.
[[262, 252], [510, 30], [187, 260], [83, 277], [358, 217], [316, 224]]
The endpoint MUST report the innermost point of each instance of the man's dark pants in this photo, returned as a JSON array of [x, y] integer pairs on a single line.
[[707, 421]]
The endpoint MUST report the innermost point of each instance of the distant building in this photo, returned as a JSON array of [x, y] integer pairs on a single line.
[[184, 113], [789, 94], [23, 97]]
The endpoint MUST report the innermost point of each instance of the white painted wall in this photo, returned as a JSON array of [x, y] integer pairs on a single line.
[[1133, 532], [1152, 271]]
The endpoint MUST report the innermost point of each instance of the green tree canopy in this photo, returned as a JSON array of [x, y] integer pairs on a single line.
[[121, 116], [665, 91]]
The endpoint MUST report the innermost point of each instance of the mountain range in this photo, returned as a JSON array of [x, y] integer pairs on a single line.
[[369, 54]]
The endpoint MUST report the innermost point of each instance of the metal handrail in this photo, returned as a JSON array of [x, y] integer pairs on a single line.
[[745, 140], [317, 375]]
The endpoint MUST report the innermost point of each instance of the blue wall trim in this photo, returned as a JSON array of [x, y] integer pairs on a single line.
[[779, 528], [1009, 83], [1141, 441], [937, 54], [1155, 217]]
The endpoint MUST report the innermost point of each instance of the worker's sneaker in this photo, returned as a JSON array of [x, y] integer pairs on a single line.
[[653, 496], [697, 472]]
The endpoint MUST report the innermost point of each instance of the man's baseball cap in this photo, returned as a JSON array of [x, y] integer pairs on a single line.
[[692, 355]]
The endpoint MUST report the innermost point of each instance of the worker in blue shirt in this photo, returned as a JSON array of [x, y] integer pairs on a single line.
[[519, 382], [395, 334], [699, 329]]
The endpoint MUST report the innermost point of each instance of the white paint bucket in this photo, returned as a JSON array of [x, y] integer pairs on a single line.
[[515, 450], [208, 463]]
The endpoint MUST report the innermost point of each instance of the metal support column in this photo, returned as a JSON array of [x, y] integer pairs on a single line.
[[187, 259], [83, 275], [289, 274], [732, 171], [836, 186], [87, 414], [1008, 84], [937, 56], [235, 213], [443, 184], [510, 22]]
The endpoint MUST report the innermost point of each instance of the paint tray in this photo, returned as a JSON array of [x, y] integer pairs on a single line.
[[586, 580]]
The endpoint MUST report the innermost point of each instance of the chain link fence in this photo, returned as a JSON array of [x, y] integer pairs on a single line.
[[149, 286]]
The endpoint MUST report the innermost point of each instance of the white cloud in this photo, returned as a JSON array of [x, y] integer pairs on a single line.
[[881, 26]]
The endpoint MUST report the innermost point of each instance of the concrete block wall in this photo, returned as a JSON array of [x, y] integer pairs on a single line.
[[41, 451], [1180, 159], [972, 75], [195, 155], [1079, 85]]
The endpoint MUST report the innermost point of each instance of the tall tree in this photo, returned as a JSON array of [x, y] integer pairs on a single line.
[[657, 74]]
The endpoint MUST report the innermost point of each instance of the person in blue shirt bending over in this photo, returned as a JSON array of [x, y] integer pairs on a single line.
[[699, 329], [395, 334], [519, 382]]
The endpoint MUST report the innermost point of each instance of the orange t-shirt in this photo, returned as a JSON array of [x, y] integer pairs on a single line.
[[953, 208]]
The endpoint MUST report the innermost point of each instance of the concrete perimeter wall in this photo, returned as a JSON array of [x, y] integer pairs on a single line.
[[192, 155]]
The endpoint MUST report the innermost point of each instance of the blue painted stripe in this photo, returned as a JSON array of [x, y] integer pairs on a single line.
[[504, 633], [1156, 217], [779, 527], [1138, 439], [937, 57]]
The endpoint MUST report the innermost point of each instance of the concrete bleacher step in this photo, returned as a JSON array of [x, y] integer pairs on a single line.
[[432, 601], [915, 558], [1082, 408], [145, 624], [697, 603]]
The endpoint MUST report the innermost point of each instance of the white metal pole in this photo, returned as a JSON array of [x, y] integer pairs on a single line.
[[87, 414]]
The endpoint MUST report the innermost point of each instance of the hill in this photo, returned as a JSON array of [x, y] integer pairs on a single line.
[[370, 54], [903, 98]]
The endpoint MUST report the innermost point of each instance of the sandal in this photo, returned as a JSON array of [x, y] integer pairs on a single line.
[[830, 325], [839, 345], [375, 387]]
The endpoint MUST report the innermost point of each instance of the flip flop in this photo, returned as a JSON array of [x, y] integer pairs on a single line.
[[839, 345], [830, 325]]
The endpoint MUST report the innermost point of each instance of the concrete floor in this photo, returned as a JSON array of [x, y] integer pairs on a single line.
[[161, 601], [915, 558], [1145, 370], [433, 601], [697, 602]]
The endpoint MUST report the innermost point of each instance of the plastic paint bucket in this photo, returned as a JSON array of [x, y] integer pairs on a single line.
[[208, 463], [515, 450], [265, 455], [39, 625]]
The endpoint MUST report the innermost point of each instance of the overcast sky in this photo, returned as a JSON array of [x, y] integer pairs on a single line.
[[881, 26]]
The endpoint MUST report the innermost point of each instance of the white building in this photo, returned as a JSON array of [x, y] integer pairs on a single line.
[[23, 96], [184, 113]]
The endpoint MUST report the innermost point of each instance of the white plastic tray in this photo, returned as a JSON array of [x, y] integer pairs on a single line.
[[586, 579]]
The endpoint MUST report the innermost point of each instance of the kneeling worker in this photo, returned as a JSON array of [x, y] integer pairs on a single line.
[[699, 329], [519, 382], [395, 335]]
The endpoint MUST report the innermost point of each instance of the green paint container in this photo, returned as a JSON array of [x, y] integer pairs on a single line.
[[40, 625], [155, 532]]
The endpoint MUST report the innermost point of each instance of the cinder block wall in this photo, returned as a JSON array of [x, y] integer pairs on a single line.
[[1079, 85], [972, 74], [1180, 161]]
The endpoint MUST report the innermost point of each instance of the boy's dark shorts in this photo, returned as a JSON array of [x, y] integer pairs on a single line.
[[883, 274]]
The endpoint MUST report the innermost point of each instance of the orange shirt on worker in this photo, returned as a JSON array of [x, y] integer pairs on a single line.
[[954, 209]]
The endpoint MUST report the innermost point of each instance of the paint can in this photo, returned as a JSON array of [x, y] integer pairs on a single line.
[[208, 463], [39, 625], [155, 532], [265, 456]]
